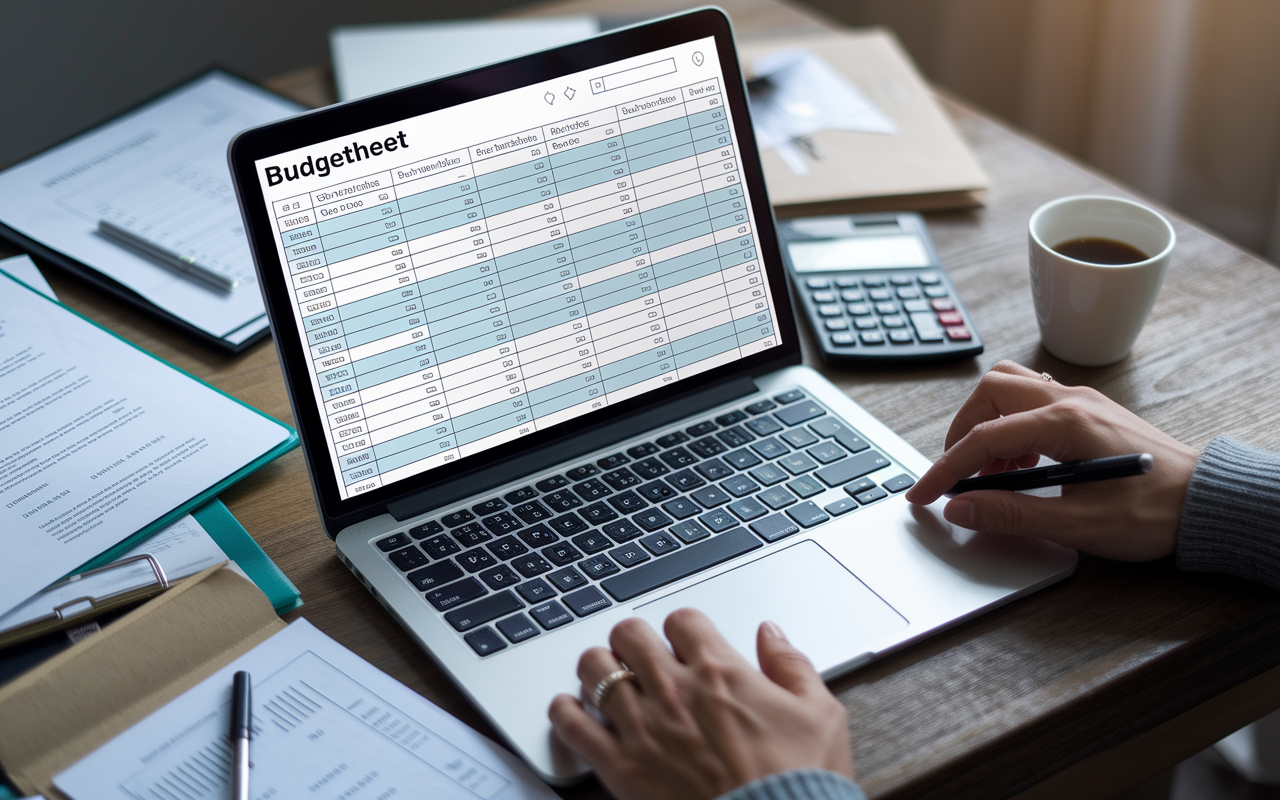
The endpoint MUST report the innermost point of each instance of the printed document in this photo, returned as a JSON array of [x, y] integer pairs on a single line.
[[326, 723]]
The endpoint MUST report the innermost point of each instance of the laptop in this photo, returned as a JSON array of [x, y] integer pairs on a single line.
[[538, 339]]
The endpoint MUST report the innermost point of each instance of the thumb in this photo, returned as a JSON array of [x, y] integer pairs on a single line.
[[1013, 514], [784, 664]]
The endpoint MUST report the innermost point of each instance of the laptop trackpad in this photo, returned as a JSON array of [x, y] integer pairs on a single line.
[[826, 612]]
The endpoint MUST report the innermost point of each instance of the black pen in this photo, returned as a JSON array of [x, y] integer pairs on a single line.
[[1095, 469], [241, 733]]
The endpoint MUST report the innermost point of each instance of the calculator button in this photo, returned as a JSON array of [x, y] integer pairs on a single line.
[[843, 339], [901, 280], [865, 323], [946, 318], [936, 291], [872, 337], [845, 283], [880, 294], [927, 328], [900, 337], [859, 309], [959, 334], [929, 279], [942, 305], [824, 297], [837, 324], [915, 306], [852, 295], [893, 322], [886, 308], [818, 283], [873, 281], [908, 293], [831, 310]]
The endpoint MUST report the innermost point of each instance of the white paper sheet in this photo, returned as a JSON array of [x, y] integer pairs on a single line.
[[25, 270], [97, 440], [326, 724], [368, 59], [160, 171]]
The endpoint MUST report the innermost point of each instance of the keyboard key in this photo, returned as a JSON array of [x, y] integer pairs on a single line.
[[482, 611], [551, 615], [760, 406], [409, 558], [582, 472], [535, 591], [650, 468], [531, 512], [426, 529], [731, 418], [859, 310], [591, 490], [671, 439], [500, 577], [898, 484], [836, 324], [871, 495], [686, 562], [455, 593], [629, 554], [531, 565], [768, 474], [711, 497], [797, 463], [457, 518], [681, 508], [807, 514], [434, 576], [622, 531], [586, 601], [747, 508], [642, 450], [552, 483], [501, 523], [798, 438], [517, 628], [562, 500], [841, 472], [521, 495], [688, 531], [678, 457], [484, 641], [598, 567], [865, 324], [507, 547], [708, 446], [739, 485], [789, 397], [538, 535], [568, 524], [651, 519], [393, 542], [592, 542], [628, 502], [685, 480], [871, 337], [471, 534], [714, 469], [908, 293], [859, 486], [824, 297], [842, 506], [853, 295], [476, 559], [900, 337], [655, 491], [612, 462], [659, 543], [763, 426], [776, 497], [797, 413], [827, 452], [742, 459], [880, 294], [817, 283], [774, 527], [736, 436], [566, 579], [719, 520], [893, 322], [440, 546], [599, 513], [805, 486], [701, 429], [620, 479], [843, 339], [561, 553], [490, 506]]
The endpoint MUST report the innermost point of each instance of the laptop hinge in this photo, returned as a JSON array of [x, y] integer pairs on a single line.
[[569, 448]]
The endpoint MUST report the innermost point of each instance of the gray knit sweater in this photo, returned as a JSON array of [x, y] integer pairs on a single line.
[[1230, 524]]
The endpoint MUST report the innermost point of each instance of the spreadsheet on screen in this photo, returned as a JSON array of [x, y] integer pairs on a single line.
[[472, 275]]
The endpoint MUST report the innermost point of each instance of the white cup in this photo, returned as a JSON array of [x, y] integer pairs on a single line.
[[1090, 314]]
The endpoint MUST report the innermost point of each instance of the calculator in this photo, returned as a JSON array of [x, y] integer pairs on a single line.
[[874, 290]]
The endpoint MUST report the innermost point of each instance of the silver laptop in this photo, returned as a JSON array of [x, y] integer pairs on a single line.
[[537, 336]]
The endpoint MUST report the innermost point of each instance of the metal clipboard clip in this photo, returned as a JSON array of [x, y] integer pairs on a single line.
[[80, 598]]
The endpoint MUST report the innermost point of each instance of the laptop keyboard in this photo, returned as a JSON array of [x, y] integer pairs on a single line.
[[530, 561]]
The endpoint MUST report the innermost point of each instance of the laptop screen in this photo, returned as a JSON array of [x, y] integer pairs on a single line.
[[469, 276]]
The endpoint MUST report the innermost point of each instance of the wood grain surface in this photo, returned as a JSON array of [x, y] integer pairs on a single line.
[[1000, 704]]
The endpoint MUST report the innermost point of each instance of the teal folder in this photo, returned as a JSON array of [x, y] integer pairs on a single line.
[[241, 548]]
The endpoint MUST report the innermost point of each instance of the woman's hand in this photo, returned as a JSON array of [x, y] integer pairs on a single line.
[[1014, 417], [701, 721]]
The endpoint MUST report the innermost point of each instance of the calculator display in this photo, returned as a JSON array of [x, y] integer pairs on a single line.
[[858, 252]]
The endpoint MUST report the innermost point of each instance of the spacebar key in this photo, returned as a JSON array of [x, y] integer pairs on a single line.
[[681, 564]]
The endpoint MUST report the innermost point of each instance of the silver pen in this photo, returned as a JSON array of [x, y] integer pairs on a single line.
[[182, 263], [241, 733]]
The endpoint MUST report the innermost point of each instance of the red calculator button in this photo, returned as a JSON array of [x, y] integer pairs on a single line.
[[959, 333], [943, 305], [950, 318]]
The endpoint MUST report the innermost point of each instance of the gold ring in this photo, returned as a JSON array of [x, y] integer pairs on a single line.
[[607, 683], [1047, 377]]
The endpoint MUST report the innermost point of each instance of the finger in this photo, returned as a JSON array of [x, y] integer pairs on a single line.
[[783, 664], [584, 736], [644, 652], [621, 703], [1067, 521], [694, 637], [999, 394]]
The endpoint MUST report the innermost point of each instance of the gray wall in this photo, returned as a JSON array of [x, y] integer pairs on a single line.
[[67, 64]]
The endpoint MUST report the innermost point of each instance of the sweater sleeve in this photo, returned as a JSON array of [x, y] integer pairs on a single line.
[[800, 784], [1231, 520]]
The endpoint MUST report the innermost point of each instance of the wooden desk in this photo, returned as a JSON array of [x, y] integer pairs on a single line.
[[1083, 689]]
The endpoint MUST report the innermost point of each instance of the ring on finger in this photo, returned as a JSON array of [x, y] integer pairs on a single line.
[[1047, 377], [609, 681]]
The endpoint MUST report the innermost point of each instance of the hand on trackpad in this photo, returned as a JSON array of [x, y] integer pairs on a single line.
[[824, 609]]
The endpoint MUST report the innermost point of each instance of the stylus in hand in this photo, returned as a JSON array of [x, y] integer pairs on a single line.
[[1095, 469]]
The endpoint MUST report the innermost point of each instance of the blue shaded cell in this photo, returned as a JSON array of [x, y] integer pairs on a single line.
[[662, 227], [376, 332], [515, 187], [752, 321], [684, 261], [661, 144], [418, 352], [471, 272], [473, 343], [370, 245], [460, 318], [436, 195], [590, 165], [451, 300], [631, 223], [620, 241], [683, 234], [617, 174], [619, 297], [443, 223], [533, 253], [707, 351], [569, 399], [498, 425], [539, 295], [548, 320], [666, 212], [691, 273], [519, 200], [444, 209], [641, 163], [548, 306], [299, 236], [642, 371], [651, 132]]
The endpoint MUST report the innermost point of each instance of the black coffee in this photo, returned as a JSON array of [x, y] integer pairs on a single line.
[[1100, 251]]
